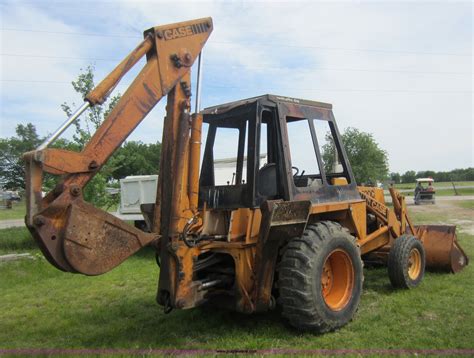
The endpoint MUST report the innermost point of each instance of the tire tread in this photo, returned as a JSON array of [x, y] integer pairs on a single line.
[[295, 281], [398, 257]]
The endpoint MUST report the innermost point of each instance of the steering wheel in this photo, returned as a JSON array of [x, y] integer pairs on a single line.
[[297, 171]]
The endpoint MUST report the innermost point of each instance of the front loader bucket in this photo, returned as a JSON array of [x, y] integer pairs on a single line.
[[442, 248]]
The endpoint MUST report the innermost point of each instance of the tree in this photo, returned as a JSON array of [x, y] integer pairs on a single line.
[[409, 177], [368, 161], [136, 158], [426, 174], [395, 178], [95, 115], [12, 167]]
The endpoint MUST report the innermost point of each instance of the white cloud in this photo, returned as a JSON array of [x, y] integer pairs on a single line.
[[39, 102]]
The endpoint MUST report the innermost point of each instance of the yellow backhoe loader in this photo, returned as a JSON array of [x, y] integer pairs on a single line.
[[276, 234]]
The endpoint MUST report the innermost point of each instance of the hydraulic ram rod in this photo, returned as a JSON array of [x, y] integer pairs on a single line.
[[64, 126], [198, 84]]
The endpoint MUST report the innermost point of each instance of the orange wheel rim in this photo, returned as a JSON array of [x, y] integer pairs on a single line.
[[337, 280], [414, 264]]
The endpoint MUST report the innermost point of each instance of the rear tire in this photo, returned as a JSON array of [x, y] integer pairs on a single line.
[[320, 278], [406, 262]]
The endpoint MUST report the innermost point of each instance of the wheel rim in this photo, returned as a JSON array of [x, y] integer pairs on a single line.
[[337, 280], [414, 264]]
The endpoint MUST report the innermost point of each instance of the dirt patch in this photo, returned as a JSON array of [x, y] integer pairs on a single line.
[[465, 226], [463, 218]]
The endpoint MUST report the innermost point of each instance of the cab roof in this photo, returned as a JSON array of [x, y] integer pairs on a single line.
[[222, 108]]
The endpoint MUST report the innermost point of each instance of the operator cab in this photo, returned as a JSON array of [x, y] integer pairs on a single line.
[[272, 147]]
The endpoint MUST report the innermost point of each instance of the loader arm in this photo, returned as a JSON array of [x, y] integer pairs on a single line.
[[443, 251], [72, 234]]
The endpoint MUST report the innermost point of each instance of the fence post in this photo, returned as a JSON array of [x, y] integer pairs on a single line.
[[455, 190]]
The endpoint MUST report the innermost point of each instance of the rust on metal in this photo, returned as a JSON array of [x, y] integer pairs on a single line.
[[219, 243], [95, 241], [442, 248], [280, 222], [74, 236]]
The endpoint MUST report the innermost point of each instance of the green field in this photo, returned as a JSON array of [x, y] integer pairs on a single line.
[[449, 192], [17, 211], [437, 184], [16, 240], [44, 308], [467, 204]]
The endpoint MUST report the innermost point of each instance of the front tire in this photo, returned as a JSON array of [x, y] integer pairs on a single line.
[[406, 262], [320, 278]]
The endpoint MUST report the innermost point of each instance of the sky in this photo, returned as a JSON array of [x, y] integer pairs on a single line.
[[399, 70]]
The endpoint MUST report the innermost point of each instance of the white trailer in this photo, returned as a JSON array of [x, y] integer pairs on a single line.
[[134, 191]]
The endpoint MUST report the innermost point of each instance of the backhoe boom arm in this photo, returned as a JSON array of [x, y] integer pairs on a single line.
[[74, 235]]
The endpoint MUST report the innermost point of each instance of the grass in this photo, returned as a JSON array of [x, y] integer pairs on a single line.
[[16, 240], [440, 184], [17, 211], [43, 308], [449, 192], [466, 204]]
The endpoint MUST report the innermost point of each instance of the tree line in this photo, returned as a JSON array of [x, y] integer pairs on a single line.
[[410, 176]]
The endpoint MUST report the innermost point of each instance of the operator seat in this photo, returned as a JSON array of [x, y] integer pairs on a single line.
[[267, 181]]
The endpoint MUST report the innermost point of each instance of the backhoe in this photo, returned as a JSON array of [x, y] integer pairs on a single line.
[[291, 230]]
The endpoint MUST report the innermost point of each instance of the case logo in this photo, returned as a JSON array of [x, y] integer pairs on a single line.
[[183, 31]]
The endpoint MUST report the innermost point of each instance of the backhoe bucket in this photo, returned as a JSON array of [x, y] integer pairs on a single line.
[[442, 248]]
